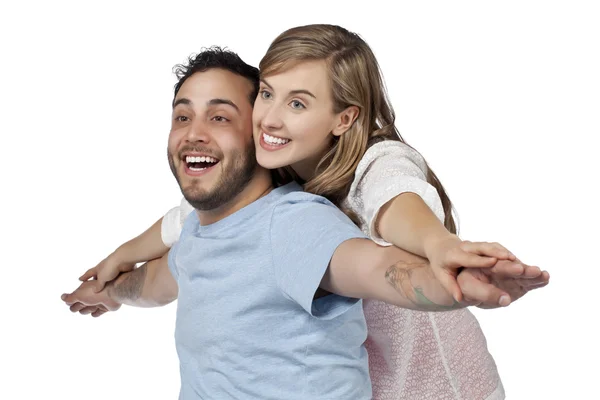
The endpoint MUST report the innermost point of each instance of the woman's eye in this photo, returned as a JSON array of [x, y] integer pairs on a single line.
[[297, 105], [265, 94]]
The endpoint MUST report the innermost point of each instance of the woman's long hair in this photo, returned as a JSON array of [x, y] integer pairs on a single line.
[[356, 80]]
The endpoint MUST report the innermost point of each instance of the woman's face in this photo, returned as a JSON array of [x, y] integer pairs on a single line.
[[293, 118]]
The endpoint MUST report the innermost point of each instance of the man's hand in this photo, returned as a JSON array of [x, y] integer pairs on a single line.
[[106, 270], [448, 254], [500, 285], [86, 300]]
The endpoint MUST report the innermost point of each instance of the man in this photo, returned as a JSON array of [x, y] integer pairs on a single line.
[[267, 279]]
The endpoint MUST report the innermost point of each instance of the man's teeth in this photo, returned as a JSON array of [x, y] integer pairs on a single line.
[[194, 162], [273, 140], [190, 159]]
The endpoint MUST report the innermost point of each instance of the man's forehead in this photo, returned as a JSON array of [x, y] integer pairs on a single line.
[[215, 83]]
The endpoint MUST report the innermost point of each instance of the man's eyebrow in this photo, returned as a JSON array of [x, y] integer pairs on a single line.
[[213, 102], [292, 92], [216, 102], [183, 100]]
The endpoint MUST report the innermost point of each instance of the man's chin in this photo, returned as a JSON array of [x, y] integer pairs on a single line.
[[191, 183], [195, 193]]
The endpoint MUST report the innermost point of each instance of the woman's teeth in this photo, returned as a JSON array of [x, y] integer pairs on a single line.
[[274, 140]]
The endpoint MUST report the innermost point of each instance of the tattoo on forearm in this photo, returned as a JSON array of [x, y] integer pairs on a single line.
[[400, 276], [423, 300], [130, 287]]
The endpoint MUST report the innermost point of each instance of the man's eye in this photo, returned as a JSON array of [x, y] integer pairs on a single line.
[[182, 118], [218, 118]]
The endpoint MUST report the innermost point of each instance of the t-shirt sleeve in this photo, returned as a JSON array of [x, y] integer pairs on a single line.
[[304, 235], [387, 170], [188, 225], [172, 223]]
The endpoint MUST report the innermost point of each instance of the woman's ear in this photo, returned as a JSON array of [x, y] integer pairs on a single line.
[[345, 120]]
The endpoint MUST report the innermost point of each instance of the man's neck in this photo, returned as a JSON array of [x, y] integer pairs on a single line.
[[260, 185]]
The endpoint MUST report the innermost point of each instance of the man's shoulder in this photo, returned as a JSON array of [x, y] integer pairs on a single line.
[[299, 200], [306, 211], [309, 223], [292, 197]]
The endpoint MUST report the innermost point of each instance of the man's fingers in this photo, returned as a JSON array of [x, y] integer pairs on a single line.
[[76, 307], [68, 298], [532, 272], [470, 302], [546, 276], [448, 282], [482, 292], [98, 313], [534, 282], [87, 310], [534, 285]]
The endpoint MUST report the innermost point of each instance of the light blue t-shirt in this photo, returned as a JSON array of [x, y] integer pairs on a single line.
[[247, 326]]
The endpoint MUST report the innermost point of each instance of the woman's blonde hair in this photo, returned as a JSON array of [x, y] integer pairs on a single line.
[[356, 80]]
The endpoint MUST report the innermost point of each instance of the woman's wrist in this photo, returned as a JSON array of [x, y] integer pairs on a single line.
[[122, 254], [432, 242]]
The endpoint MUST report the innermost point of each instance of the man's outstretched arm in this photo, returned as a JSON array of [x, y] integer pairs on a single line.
[[150, 285], [360, 268]]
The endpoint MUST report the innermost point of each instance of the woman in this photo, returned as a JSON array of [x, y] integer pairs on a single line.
[[322, 113]]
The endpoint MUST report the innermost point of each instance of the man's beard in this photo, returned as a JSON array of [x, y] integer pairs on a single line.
[[234, 178]]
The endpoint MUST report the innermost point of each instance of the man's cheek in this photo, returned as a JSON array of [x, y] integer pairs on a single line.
[[175, 137]]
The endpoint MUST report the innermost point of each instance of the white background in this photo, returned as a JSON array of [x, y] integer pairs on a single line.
[[502, 98]]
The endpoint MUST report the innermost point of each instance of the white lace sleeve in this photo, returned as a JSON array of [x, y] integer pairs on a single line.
[[388, 169], [172, 222]]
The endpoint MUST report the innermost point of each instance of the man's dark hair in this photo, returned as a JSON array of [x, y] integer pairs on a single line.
[[216, 57]]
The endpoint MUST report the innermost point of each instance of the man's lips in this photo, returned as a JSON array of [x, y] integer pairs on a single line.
[[197, 164]]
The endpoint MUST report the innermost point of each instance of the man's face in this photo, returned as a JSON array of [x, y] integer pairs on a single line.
[[211, 152]]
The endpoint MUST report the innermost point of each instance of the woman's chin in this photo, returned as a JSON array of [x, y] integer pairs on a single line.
[[269, 161]]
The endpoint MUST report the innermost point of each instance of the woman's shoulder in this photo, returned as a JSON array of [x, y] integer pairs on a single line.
[[392, 154]]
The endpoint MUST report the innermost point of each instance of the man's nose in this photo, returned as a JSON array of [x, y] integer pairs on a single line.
[[198, 132]]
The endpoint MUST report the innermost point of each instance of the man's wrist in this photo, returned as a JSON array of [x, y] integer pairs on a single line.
[[109, 290], [128, 286], [112, 302]]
